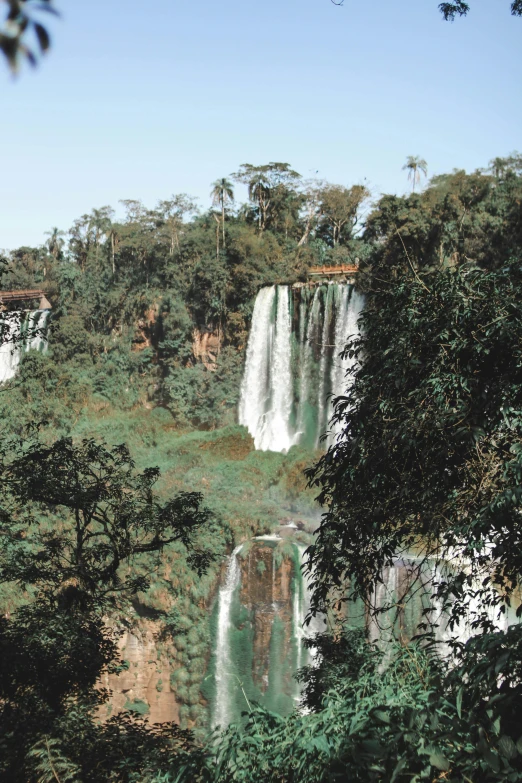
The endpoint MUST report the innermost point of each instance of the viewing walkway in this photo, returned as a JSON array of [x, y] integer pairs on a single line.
[[27, 295], [332, 271]]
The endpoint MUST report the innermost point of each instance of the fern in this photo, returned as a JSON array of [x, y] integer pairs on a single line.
[[49, 763]]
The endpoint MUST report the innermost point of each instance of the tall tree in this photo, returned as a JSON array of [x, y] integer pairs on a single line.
[[55, 242], [173, 212], [415, 166], [222, 193], [100, 225], [311, 207], [339, 209], [268, 188]]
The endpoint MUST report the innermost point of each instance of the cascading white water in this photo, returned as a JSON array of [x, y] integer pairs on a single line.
[[301, 610], [255, 387], [306, 360], [19, 333], [406, 600], [224, 675], [475, 606], [277, 410], [274, 434], [322, 415], [349, 309], [36, 339], [266, 391], [9, 346]]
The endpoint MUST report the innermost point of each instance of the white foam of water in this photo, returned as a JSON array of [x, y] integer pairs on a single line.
[[224, 675]]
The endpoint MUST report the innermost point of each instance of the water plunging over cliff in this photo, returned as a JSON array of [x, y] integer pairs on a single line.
[[259, 633], [293, 366], [224, 673], [18, 333]]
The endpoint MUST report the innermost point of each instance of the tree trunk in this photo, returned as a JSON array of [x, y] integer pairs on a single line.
[[217, 236], [223, 219]]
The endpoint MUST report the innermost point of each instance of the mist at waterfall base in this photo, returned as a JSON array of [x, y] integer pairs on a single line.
[[20, 332], [293, 367]]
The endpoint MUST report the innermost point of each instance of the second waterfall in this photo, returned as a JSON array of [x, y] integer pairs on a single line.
[[292, 367]]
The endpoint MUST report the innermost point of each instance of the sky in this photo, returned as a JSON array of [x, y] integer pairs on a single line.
[[141, 100]]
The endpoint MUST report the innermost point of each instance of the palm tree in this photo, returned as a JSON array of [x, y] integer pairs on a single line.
[[259, 190], [55, 242], [415, 166], [222, 192]]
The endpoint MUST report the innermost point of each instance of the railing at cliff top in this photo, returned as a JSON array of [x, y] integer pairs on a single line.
[[327, 271], [27, 295]]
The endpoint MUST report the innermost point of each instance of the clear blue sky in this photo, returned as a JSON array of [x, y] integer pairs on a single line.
[[142, 100]]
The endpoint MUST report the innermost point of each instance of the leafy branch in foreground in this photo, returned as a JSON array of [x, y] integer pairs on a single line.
[[72, 518], [459, 8], [399, 716], [430, 461], [20, 23], [84, 513]]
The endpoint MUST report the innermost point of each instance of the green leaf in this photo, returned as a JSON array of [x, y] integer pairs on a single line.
[[398, 769], [439, 761], [507, 747], [43, 36], [381, 715], [459, 703], [321, 743]]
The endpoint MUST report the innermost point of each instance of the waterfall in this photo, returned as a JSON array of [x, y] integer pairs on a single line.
[[259, 639], [304, 419], [326, 353], [9, 346], [224, 674], [285, 398], [255, 388], [36, 339], [405, 599], [302, 603], [345, 325], [274, 433], [19, 333], [266, 392]]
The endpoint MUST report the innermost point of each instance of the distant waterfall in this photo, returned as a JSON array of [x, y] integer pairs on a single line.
[[18, 333], [292, 364], [224, 673]]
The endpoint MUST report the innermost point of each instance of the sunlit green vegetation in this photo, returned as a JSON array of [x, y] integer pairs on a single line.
[[430, 458]]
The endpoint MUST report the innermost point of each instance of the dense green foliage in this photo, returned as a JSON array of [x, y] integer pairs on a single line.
[[428, 468], [394, 717], [430, 457], [67, 538], [156, 308]]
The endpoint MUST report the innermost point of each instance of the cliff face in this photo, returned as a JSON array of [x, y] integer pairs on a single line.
[[262, 646], [256, 649], [145, 686], [266, 593], [205, 347]]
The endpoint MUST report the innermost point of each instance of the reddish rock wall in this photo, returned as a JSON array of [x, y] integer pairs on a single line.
[[147, 678]]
